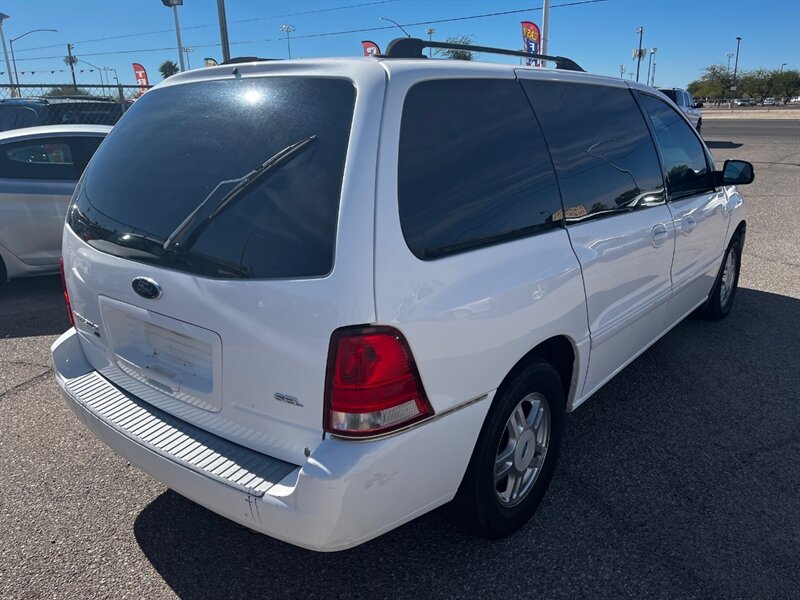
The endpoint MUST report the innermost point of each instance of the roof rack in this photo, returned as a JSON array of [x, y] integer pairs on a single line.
[[413, 48], [237, 60]]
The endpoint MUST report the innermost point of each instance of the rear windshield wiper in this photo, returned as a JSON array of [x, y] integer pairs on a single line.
[[191, 223]]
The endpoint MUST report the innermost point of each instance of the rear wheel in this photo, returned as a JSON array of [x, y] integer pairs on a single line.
[[721, 300], [514, 458]]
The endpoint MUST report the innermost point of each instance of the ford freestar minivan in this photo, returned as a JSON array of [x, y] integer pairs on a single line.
[[324, 297]]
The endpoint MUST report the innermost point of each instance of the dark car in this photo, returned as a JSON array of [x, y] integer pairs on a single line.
[[16, 113]]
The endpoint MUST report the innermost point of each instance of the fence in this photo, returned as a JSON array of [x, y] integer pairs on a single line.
[[25, 105]]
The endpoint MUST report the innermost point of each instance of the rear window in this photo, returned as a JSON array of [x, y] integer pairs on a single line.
[[16, 117], [672, 95], [176, 144]]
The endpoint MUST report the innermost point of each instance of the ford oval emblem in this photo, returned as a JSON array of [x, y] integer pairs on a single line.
[[146, 288]]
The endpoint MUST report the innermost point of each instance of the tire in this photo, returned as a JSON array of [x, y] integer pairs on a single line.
[[723, 293], [487, 505]]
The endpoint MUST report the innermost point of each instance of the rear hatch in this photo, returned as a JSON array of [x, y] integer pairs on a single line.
[[220, 234]]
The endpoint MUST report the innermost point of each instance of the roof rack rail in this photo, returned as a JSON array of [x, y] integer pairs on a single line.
[[413, 48], [237, 60]]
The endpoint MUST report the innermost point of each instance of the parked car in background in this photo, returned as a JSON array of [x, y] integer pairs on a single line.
[[769, 102], [16, 113], [39, 167], [684, 101], [744, 102], [795, 99], [324, 297]]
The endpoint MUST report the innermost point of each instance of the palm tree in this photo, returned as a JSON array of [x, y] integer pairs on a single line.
[[168, 68]]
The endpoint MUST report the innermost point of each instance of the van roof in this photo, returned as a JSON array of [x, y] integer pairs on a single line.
[[351, 67]]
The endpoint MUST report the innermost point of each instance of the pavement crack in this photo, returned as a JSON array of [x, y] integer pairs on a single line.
[[27, 383]]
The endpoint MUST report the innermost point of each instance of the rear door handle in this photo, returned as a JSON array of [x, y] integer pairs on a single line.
[[659, 235], [688, 224]]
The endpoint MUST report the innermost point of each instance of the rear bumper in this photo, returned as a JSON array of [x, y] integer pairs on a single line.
[[344, 494]]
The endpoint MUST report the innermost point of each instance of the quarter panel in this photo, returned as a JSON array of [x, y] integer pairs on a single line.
[[470, 317]]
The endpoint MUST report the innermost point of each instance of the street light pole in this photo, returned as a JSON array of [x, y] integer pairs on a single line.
[[288, 29], [396, 25], [3, 17], [653, 80], [430, 31], [174, 4], [730, 56], [188, 51], [649, 63], [736, 62], [223, 31], [640, 31], [99, 69], [545, 28], [783, 65], [11, 44], [622, 71]]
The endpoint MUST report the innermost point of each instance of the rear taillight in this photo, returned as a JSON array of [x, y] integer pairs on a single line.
[[373, 385], [66, 293]]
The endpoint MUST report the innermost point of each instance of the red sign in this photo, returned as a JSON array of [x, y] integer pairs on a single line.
[[370, 48], [531, 40], [141, 77]]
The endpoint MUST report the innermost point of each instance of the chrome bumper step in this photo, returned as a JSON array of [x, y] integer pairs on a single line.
[[174, 439]]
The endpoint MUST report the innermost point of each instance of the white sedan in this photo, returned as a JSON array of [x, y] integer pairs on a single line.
[[39, 168]]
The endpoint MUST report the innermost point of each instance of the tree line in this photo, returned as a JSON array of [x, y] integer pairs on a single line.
[[716, 82]]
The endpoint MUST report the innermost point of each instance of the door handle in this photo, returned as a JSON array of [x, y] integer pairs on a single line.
[[659, 235], [688, 224]]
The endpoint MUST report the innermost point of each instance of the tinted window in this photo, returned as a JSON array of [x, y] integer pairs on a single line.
[[473, 167], [672, 95], [15, 117], [96, 113], [604, 156], [683, 154], [50, 158], [178, 143]]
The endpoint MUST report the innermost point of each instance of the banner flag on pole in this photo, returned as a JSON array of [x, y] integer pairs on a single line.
[[141, 77], [370, 48], [531, 41]]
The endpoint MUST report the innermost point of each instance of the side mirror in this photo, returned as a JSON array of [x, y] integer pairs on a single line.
[[697, 105], [735, 172]]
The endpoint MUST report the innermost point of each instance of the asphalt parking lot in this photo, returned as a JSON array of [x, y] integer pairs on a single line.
[[680, 478]]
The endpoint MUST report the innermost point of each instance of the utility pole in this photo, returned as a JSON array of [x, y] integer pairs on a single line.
[[3, 17], [736, 63], [288, 29], [640, 31], [430, 31], [545, 28], [622, 71], [223, 31], [71, 60], [653, 82]]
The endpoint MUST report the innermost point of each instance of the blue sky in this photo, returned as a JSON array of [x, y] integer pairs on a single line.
[[689, 34]]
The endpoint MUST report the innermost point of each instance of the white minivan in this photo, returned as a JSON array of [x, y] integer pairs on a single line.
[[324, 297]]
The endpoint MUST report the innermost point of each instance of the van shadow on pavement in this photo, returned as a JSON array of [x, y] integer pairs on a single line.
[[31, 307], [679, 478]]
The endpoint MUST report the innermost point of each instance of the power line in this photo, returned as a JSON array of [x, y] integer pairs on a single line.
[[130, 35], [334, 33]]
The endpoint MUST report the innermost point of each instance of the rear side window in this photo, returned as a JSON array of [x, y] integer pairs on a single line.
[[604, 156], [684, 158], [177, 144], [473, 168], [51, 158]]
